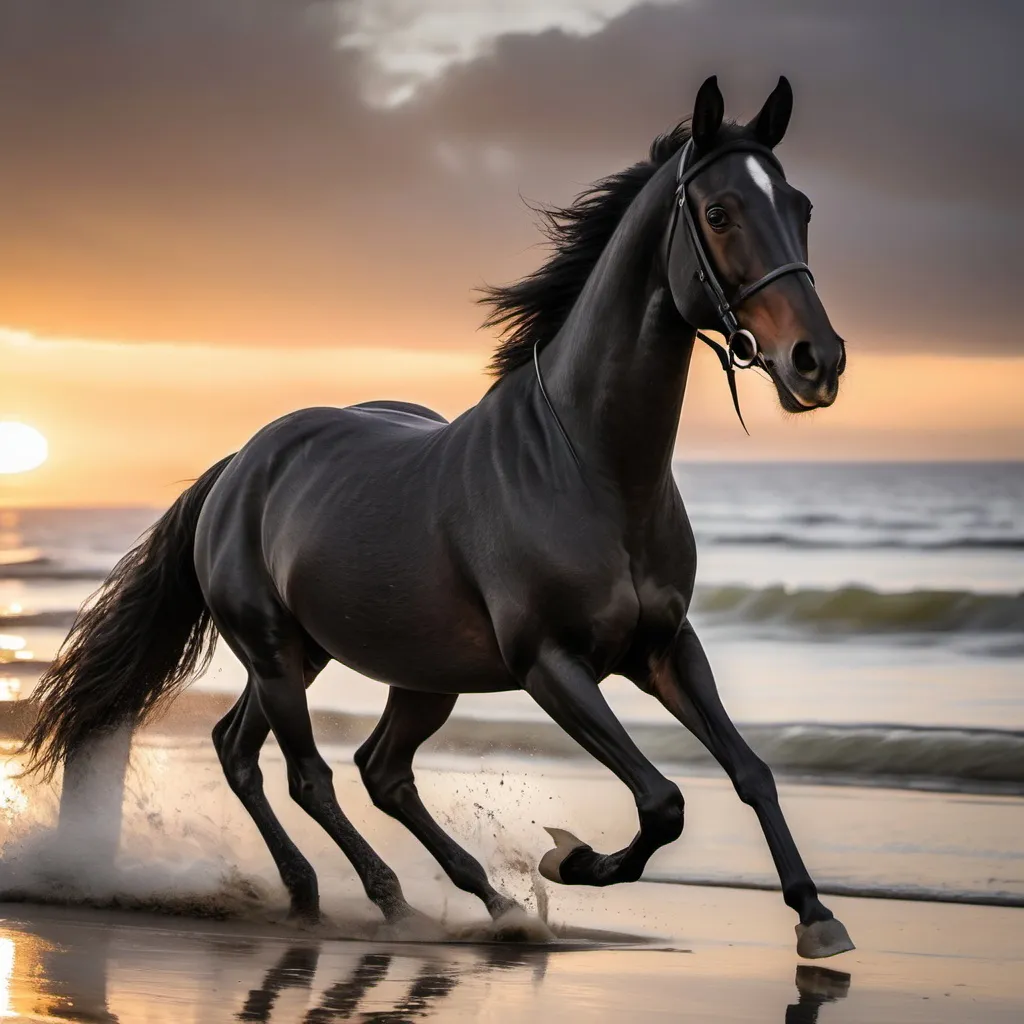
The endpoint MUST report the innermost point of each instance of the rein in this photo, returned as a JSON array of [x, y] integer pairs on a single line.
[[551, 408], [728, 355]]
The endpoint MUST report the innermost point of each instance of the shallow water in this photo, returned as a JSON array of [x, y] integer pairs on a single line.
[[649, 951], [102, 966]]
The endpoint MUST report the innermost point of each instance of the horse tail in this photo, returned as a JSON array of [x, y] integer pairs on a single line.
[[135, 646]]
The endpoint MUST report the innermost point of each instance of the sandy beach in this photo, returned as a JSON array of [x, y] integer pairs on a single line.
[[649, 951], [722, 957], [877, 672]]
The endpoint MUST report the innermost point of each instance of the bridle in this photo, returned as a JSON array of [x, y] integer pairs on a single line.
[[741, 349], [729, 355]]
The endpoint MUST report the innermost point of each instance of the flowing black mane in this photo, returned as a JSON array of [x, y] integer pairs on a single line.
[[533, 310]]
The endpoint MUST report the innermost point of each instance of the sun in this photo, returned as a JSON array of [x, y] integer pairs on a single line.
[[21, 447]]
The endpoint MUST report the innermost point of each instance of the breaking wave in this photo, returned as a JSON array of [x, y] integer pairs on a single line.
[[896, 755], [779, 538], [985, 759], [43, 568], [852, 610], [962, 757], [60, 618]]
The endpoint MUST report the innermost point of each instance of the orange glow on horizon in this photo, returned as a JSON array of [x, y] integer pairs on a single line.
[[129, 424]]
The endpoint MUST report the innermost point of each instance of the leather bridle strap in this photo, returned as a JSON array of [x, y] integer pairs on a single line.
[[724, 308], [551, 408], [796, 267], [724, 357]]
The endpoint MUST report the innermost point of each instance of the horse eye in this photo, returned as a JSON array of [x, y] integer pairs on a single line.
[[717, 217]]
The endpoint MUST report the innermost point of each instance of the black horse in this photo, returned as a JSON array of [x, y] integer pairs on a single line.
[[537, 542]]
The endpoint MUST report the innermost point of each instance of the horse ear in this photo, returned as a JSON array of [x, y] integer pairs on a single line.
[[708, 111], [771, 124]]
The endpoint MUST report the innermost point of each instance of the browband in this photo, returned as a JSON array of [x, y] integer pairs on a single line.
[[685, 174]]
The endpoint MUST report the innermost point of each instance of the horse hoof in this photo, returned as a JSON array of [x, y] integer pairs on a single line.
[[821, 939], [551, 862], [410, 925], [307, 916], [516, 925]]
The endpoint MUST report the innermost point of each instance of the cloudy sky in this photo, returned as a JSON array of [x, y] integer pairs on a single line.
[[213, 211]]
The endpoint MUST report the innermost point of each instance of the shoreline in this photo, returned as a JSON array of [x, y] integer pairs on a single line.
[[990, 761]]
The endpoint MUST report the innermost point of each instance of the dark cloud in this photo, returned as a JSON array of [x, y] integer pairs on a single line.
[[207, 169], [909, 120]]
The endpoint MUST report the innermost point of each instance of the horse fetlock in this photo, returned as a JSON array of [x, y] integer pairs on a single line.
[[303, 890], [384, 889], [393, 904], [662, 814], [498, 905], [802, 896]]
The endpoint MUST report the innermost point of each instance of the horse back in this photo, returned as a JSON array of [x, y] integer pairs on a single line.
[[338, 512]]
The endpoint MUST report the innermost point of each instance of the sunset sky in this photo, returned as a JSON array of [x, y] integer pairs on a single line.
[[216, 211]]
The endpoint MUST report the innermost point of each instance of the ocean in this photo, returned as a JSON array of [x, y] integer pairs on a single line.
[[861, 618], [866, 626]]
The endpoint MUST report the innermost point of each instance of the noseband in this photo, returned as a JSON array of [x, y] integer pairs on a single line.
[[741, 349]]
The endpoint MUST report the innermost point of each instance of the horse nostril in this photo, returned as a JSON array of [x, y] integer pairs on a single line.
[[803, 359]]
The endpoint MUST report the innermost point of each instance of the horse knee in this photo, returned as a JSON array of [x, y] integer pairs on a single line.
[[662, 812], [754, 782]]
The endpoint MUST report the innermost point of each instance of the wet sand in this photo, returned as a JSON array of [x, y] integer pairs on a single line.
[[914, 963], [648, 951]]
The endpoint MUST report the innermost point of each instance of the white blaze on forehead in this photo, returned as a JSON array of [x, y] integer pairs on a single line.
[[761, 178]]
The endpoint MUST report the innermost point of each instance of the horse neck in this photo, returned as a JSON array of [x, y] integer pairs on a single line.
[[617, 370]]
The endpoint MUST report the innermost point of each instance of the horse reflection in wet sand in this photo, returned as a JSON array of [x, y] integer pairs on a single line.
[[112, 974], [537, 542], [297, 969], [355, 993]]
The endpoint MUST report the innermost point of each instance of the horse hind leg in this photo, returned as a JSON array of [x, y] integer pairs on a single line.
[[274, 651], [385, 763], [238, 738]]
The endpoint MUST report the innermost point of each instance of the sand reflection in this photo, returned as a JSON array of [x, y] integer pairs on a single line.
[[68, 966]]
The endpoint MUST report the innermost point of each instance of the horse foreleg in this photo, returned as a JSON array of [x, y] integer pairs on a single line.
[[385, 763], [570, 694], [685, 684]]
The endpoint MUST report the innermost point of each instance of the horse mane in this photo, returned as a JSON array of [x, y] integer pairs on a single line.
[[531, 311]]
